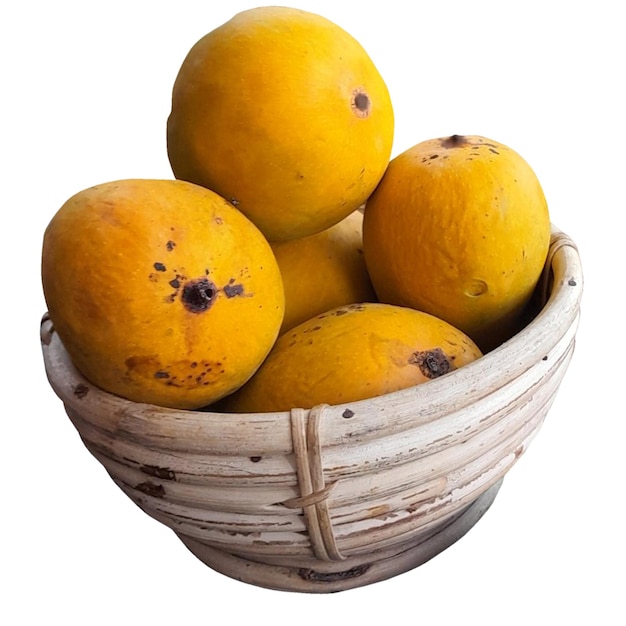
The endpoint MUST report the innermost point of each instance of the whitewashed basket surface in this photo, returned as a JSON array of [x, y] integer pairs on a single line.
[[339, 496]]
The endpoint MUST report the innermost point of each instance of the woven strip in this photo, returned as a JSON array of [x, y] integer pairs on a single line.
[[314, 492], [557, 241]]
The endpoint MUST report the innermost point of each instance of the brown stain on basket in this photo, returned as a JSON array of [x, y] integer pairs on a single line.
[[164, 473], [81, 390], [330, 577], [151, 489], [378, 511]]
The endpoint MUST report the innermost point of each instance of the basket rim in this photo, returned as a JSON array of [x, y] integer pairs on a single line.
[[227, 433]]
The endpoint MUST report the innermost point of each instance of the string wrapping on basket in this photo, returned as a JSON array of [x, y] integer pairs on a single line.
[[314, 492]]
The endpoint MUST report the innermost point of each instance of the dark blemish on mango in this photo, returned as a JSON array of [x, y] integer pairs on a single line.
[[170, 245], [199, 295], [231, 289], [312, 329], [434, 156], [159, 267], [361, 103], [161, 374], [173, 383], [493, 150], [81, 390], [150, 489], [476, 288], [158, 472], [432, 363], [141, 362], [348, 413], [454, 141]]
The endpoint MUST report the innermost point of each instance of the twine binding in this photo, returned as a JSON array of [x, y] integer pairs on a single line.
[[313, 499]]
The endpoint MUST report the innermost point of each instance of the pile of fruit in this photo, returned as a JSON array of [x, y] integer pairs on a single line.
[[290, 261]]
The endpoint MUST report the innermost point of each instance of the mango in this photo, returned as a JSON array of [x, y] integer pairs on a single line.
[[161, 291]]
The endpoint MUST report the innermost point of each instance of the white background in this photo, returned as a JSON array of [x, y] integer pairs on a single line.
[[85, 96]]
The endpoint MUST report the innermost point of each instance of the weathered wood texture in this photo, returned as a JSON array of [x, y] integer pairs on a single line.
[[337, 496]]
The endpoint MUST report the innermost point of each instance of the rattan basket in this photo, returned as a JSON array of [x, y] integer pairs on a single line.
[[339, 496]]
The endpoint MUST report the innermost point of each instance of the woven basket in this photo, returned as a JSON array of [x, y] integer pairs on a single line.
[[339, 496]]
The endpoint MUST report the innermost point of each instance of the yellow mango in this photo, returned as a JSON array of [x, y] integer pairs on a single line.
[[459, 227], [323, 271], [161, 291], [285, 115], [352, 353]]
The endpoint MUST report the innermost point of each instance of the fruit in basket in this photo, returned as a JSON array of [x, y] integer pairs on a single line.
[[459, 227], [352, 353], [323, 271], [284, 114], [161, 291]]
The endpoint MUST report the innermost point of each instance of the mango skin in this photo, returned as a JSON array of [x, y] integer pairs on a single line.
[[459, 227], [161, 291], [352, 353], [323, 271], [285, 115]]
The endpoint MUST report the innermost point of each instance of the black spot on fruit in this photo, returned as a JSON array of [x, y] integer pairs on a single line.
[[170, 245], [233, 289], [454, 141], [159, 267], [432, 363], [361, 103], [199, 295]]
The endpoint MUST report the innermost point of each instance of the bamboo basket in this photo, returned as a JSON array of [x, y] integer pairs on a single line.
[[335, 497]]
